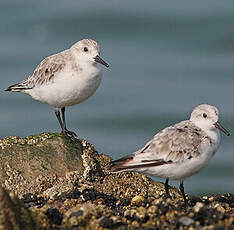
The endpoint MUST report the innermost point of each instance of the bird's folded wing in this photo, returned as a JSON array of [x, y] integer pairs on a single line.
[[45, 71], [173, 144]]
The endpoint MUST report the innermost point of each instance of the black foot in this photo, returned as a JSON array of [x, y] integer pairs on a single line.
[[167, 195], [185, 201], [70, 135]]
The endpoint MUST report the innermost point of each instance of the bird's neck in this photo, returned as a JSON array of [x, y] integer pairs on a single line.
[[212, 132], [214, 135]]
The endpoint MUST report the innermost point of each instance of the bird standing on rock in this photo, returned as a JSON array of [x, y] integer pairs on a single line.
[[65, 79]]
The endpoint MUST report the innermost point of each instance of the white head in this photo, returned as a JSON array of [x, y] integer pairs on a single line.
[[206, 117], [87, 51]]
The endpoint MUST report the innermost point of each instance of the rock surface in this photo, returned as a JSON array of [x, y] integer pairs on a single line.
[[64, 185], [34, 163]]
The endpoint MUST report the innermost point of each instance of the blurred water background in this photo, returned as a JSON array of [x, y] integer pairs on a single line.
[[165, 58]]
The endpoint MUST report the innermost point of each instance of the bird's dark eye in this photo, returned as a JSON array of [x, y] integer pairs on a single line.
[[204, 115], [85, 49]]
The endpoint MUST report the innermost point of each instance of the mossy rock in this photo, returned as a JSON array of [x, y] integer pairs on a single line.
[[33, 164], [68, 185]]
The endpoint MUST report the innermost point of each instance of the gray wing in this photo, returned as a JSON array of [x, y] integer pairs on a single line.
[[173, 144], [44, 72]]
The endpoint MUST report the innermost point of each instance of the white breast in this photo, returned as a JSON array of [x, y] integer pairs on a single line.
[[68, 88]]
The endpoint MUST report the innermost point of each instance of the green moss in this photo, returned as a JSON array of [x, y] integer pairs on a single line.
[[44, 166], [39, 156]]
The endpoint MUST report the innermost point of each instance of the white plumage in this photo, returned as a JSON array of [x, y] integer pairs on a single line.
[[65, 79], [179, 151]]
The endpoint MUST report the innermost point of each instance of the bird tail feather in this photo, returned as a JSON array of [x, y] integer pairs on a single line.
[[16, 88]]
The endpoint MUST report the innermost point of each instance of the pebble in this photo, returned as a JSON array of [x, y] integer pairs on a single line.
[[106, 222], [198, 206], [137, 199], [186, 220]]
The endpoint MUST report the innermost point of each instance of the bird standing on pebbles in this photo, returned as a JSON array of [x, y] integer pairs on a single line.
[[179, 151], [65, 79]]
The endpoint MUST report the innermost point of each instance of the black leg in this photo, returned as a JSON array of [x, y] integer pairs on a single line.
[[63, 117], [57, 113], [183, 194], [64, 129], [167, 188]]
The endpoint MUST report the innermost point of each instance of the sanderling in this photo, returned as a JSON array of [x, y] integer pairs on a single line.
[[65, 79], [178, 151]]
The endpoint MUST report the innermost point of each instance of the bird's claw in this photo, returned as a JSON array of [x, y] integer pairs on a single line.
[[167, 195], [70, 134]]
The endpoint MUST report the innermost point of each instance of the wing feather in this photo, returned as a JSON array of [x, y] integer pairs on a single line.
[[46, 70], [173, 144], [43, 73]]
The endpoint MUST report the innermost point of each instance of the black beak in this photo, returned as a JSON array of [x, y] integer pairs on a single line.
[[221, 128], [99, 60]]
